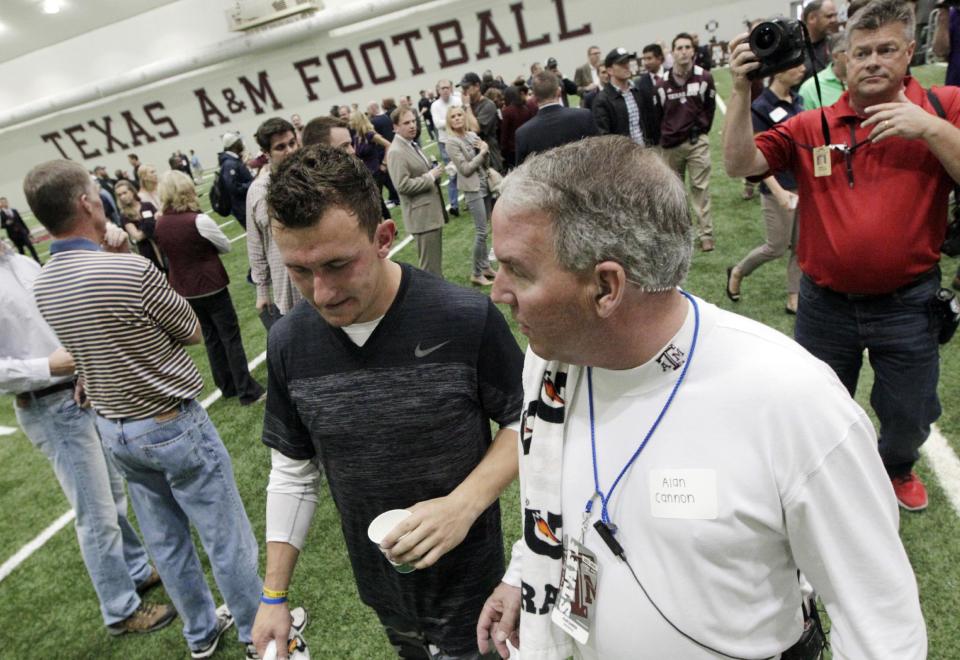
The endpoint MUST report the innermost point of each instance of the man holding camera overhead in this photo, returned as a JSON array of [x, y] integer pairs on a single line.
[[874, 177]]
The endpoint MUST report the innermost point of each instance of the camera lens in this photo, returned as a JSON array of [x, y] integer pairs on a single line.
[[765, 38]]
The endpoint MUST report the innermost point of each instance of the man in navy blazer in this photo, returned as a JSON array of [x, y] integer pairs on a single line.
[[17, 230], [553, 124]]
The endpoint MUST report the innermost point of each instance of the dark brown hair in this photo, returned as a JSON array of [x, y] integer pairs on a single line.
[[317, 131], [318, 178], [269, 128]]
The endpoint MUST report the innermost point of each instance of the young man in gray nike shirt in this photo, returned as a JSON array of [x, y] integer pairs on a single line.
[[391, 377]]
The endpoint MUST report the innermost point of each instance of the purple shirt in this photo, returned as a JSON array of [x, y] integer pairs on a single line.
[[953, 66]]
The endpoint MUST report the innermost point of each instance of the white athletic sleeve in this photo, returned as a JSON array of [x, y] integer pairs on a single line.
[[210, 231], [512, 575], [291, 499]]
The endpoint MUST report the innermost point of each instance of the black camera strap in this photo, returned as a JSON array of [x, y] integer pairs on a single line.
[[816, 83]]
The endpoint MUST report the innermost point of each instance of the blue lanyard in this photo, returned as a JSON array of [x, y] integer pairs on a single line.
[[605, 497]]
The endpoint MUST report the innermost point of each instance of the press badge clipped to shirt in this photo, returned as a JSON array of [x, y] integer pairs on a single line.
[[578, 591], [821, 161]]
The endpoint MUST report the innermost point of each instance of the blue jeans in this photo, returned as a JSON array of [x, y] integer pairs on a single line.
[[452, 194], [899, 331], [481, 206], [180, 473], [111, 550]]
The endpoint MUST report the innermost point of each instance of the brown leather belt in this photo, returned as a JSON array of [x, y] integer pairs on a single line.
[[166, 416], [24, 399]]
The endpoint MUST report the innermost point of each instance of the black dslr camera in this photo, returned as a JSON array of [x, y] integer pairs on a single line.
[[778, 44]]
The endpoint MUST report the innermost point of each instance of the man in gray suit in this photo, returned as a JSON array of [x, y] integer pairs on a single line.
[[415, 178]]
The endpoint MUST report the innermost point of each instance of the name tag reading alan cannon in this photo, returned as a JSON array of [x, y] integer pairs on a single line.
[[684, 494]]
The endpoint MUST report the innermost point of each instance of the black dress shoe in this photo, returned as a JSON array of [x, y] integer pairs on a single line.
[[455, 212]]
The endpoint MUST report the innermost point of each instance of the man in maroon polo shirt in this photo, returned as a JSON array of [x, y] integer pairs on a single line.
[[872, 220], [687, 100]]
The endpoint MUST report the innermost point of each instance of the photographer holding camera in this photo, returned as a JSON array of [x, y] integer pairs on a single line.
[[874, 170]]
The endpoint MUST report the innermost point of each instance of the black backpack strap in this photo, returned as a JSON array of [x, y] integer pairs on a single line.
[[935, 102]]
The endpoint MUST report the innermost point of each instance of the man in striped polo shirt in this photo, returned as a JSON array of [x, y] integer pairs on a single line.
[[126, 329]]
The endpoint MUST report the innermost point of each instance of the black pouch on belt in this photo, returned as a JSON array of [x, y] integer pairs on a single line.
[[812, 642], [948, 308]]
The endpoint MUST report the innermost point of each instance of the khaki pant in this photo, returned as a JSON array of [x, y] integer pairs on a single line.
[[696, 158], [430, 249], [781, 234]]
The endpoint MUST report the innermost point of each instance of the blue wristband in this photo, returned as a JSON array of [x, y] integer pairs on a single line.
[[272, 601]]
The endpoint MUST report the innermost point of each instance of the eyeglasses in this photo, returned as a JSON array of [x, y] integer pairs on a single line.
[[885, 53]]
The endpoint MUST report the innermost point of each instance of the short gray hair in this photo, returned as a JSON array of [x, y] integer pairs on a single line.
[[878, 13], [609, 200]]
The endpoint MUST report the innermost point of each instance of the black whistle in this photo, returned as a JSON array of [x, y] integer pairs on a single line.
[[607, 535]]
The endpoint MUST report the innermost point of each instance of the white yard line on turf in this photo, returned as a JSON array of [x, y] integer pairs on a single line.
[[237, 238], [945, 465], [721, 105], [24, 553], [21, 555], [402, 244], [217, 394], [7, 430]]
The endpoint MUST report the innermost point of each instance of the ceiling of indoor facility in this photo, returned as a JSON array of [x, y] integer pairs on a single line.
[[25, 27]]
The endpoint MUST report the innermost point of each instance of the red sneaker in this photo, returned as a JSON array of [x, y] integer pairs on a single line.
[[910, 492]]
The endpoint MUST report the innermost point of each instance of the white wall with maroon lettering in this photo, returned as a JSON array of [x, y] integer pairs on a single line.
[[395, 55]]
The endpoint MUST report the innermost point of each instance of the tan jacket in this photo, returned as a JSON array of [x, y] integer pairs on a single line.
[[420, 198], [583, 77], [469, 163]]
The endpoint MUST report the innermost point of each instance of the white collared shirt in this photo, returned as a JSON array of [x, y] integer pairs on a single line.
[[26, 340]]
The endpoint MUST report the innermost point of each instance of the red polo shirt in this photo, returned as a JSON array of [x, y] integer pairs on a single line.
[[887, 229]]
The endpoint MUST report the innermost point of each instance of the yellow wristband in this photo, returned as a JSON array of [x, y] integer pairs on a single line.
[[270, 593]]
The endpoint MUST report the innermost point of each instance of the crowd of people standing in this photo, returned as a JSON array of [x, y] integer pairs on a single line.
[[592, 237]]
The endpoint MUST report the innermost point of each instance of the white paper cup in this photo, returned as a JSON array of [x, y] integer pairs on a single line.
[[381, 526]]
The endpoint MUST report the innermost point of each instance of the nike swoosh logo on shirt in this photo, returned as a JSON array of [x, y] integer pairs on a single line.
[[424, 352]]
